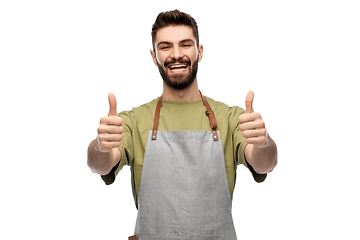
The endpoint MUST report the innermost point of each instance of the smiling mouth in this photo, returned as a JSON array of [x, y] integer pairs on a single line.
[[178, 68]]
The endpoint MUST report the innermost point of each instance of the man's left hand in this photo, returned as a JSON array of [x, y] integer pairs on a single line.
[[252, 125]]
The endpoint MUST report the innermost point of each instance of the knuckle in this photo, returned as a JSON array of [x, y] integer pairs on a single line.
[[118, 130], [256, 115], [117, 137], [115, 130], [103, 119], [243, 117], [100, 137], [243, 128], [260, 123], [245, 134], [104, 145], [246, 126], [116, 145], [118, 122], [102, 129], [113, 121], [263, 131]]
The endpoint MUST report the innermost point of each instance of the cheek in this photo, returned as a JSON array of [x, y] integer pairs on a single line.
[[193, 55], [196, 56], [161, 58]]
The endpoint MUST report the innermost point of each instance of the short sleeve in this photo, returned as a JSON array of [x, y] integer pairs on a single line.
[[239, 146], [126, 149]]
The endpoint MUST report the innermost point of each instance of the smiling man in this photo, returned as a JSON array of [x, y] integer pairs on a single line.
[[183, 148], [177, 58]]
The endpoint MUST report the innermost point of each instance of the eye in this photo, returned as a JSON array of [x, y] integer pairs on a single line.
[[187, 45], [164, 47]]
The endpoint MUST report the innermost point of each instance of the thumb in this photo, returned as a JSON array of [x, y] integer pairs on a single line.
[[112, 104], [249, 102]]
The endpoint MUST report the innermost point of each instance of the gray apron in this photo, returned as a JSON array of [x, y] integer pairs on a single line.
[[184, 192]]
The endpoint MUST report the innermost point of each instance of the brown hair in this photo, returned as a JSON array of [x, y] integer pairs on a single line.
[[176, 18]]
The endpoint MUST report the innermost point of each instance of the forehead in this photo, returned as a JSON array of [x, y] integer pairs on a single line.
[[174, 34]]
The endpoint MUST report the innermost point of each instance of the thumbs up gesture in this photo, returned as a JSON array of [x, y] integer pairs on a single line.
[[110, 129], [251, 124]]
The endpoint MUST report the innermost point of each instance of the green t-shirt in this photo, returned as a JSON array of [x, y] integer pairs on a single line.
[[180, 116]]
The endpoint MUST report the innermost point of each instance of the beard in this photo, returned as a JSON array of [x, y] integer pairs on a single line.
[[179, 81]]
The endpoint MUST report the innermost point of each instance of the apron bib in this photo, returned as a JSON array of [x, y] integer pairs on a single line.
[[184, 192]]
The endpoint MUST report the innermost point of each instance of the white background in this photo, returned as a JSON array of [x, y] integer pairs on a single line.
[[60, 59]]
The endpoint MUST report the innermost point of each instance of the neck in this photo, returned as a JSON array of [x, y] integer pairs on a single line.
[[188, 94]]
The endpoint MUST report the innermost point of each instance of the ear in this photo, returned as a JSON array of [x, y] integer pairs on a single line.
[[201, 52], [153, 55]]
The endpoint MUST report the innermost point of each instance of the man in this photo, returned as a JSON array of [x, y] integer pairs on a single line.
[[183, 148]]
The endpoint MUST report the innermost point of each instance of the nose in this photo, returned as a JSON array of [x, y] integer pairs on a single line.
[[177, 53]]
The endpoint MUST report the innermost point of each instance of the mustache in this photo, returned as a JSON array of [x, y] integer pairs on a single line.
[[181, 60]]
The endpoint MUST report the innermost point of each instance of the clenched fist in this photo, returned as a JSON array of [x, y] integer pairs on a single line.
[[110, 129], [252, 125]]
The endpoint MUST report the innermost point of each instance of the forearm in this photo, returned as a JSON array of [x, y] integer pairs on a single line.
[[262, 159], [102, 162]]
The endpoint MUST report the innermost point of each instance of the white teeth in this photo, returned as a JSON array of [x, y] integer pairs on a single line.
[[178, 66]]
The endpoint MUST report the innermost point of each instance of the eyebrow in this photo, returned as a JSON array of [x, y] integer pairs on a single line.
[[182, 41]]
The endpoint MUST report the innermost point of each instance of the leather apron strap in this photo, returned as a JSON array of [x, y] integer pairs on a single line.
[[209, 112], [135, 237]]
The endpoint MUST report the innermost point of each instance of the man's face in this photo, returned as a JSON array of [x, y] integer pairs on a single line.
[[177, 56]]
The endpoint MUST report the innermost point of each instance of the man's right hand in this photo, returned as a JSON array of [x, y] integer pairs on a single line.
[[110, 129]]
